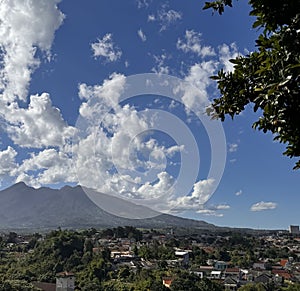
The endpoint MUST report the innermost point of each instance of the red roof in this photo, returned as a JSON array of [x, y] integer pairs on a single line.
[[282, 273], [167, 281], [283, 262], [65, 274]]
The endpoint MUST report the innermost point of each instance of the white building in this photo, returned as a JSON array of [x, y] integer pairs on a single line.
[[294, 229], [183, 256], [65, 281]]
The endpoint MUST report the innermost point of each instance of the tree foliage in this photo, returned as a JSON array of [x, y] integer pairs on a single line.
[[17, 285], [253, 287], [79, 252], [269, 77], [190, 282], [293, 287]]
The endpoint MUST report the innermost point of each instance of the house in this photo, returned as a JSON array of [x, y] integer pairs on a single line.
[[122, 255], [215, 275], [200, 274], [263, 278], [282, 273], [206, 270], [294, 229], [232, 272], [183, 256], [261, 265], [244, 274], [65, 281], [220, 265], [231, 284], [146, 264]]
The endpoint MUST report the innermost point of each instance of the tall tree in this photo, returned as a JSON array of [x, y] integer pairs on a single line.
[[269, 77]]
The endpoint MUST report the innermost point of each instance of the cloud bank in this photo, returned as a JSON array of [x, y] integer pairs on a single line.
[[114, 143]]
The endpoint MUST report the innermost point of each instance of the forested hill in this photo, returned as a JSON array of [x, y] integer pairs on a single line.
[[23, 207]]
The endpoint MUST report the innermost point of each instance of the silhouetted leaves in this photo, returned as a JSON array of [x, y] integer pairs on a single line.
[[269, 77]]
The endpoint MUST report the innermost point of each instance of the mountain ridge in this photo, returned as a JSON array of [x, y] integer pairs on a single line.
[[24, 207]]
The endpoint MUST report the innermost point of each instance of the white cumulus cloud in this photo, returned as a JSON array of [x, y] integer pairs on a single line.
[[52, 166], [199, 196], [39, 125], [112, 149], [106, 48], [192, 43], [7, 161], [26, 34], [195, 93], [163, 185], [26, 26], [260, 206]]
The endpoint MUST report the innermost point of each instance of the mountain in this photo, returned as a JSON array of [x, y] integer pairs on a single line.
[[23, 207]]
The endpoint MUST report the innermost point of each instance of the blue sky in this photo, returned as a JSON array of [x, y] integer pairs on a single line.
[[64, 119]]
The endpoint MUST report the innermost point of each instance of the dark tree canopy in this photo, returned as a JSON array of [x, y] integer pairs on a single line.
[[269, 77]]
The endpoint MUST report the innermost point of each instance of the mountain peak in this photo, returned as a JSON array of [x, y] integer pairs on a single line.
[[19, 185], [22, 206]]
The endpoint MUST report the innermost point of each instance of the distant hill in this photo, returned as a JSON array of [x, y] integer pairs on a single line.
[[23, 207]]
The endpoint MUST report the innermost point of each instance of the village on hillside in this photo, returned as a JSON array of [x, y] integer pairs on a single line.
[[126, 258]]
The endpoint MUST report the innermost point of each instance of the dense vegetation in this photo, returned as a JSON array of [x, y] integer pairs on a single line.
[[42, 257]]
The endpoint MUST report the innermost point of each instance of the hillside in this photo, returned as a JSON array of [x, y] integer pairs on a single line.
[[23, 207]]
